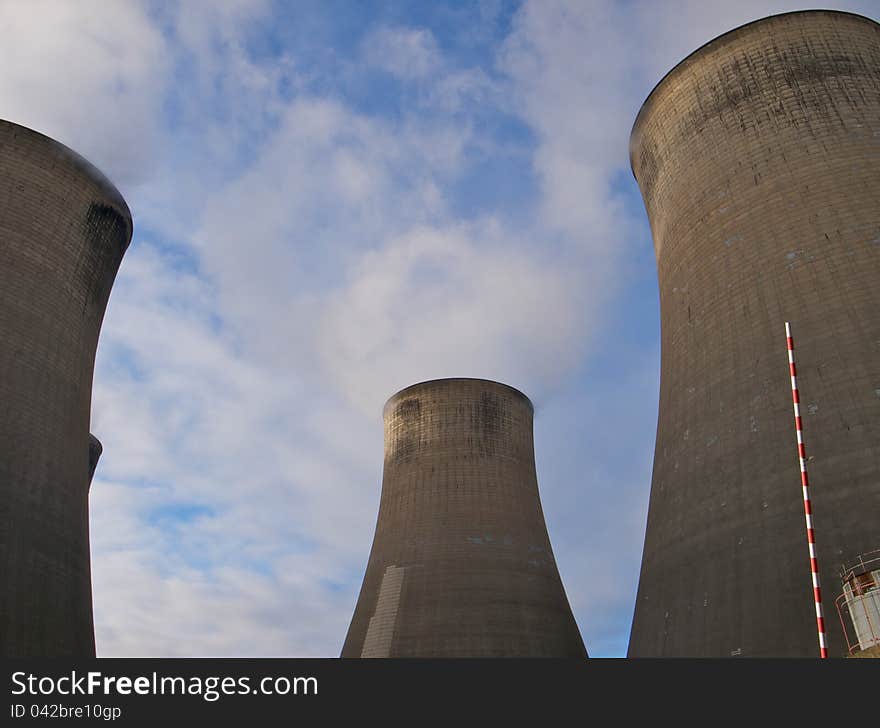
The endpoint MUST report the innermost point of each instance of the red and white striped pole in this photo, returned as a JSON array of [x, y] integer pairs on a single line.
[[808, 510]]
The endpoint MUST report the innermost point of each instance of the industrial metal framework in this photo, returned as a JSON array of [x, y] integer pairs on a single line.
[[860, 599]]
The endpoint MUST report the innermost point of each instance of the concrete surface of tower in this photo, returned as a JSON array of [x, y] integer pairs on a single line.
[[63, 231], [758, 158], [461, 564]]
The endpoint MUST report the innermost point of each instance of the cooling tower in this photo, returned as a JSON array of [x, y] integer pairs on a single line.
[[63, 231], [461, 564], [758, 158], [95, 450]]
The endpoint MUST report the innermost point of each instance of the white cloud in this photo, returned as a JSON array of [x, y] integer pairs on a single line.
[[455, 301], [571, 68], [328, 184], [408, 53], [90, 74], [218, 477]]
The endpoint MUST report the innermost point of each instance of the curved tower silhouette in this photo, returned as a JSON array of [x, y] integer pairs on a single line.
[[63, 231], [461, 564], [95, 451], [758, 158]]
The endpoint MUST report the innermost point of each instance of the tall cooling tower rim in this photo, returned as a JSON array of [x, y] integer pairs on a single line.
[[492, 382], [729, 35], [85, 167]]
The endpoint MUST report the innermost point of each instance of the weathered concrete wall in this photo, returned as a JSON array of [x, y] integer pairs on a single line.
[[758, 158], [461, 564], [63, 231]]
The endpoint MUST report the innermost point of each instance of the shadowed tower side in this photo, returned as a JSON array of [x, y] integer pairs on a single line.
[[95, 451], [461, 563], [758, 158], [63, 231]]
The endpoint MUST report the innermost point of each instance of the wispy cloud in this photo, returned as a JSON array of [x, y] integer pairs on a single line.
[[408, 53], [90, 74], [318, 228]]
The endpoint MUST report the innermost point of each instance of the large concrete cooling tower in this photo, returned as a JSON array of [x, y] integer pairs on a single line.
[[461, 564], [63, 231], [758, 158]]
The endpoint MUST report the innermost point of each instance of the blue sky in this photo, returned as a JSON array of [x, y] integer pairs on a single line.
[[332, 201]]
